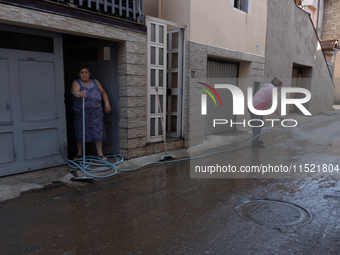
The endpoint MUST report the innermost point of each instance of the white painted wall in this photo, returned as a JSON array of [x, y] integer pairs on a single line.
[[217, 22]]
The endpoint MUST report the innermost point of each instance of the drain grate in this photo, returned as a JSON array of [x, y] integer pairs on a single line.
[[274, 213]]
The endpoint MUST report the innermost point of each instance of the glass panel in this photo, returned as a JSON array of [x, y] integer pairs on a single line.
[[104, 53], [18, 41], [173, 127], [83, 54], [161, 34], [167, 80], [167, 103], [168, 60], [160, 76], [167, 41], [153, 55], [175, 40], [161, 56], [174, 82], [153, 78], [161, 102], [175, 60], [90, 54], [160, 130], [174, 103], [241, 5], [153, 33], [152, 127], [153, 104]]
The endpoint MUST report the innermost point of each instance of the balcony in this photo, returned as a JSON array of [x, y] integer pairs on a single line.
[[311, 3], [126, 14], [131, 10]]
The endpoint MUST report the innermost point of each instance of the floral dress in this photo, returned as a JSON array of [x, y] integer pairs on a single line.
[[94, 116]]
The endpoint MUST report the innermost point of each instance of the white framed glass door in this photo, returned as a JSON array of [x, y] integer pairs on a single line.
[[156, 79], [174, 82]]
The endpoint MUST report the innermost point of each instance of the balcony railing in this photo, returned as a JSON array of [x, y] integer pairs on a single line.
[[126, 9]]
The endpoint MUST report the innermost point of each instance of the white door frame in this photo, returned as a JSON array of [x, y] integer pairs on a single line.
[[151, 90], [179, 90]]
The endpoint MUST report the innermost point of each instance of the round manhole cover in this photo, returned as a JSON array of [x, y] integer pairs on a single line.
[[274, 213]]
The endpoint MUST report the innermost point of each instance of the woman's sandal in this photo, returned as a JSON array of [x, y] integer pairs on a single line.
[[102, 157], [77, 157]]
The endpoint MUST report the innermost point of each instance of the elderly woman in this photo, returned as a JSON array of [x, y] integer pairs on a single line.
[[93, 93]]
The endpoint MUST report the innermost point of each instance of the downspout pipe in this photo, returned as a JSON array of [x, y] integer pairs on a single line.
[[317, 18], [160, 9], [335, 52]]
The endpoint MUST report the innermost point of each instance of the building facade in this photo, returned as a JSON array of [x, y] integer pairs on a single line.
[[294, 53], [156, 59], [331, 33], [42, 45]]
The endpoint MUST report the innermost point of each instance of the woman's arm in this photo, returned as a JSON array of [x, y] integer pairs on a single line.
[[105, 98], [75, 90]]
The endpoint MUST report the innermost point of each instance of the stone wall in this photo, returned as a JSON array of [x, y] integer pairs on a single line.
[[331, 20], [132, 97], [251, 70]]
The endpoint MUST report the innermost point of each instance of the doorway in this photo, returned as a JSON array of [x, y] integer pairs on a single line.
[[101, 58], [165, 79], [301, 78]]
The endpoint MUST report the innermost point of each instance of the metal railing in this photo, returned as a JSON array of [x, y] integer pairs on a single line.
[[126, 9]]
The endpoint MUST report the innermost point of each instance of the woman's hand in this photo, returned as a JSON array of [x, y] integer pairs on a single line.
[[82, 94], [107, 108]]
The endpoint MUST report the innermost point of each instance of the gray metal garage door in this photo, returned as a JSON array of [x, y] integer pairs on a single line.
[[32, 114], [220, 72]]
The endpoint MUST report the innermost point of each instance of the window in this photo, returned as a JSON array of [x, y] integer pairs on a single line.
[[241, 5], [90, 54], [19, 41]]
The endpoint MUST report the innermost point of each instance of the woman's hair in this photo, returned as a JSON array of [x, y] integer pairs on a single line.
[[84, 67], [277, 82]]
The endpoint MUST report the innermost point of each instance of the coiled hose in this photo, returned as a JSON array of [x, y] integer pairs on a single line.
[[106, 165]]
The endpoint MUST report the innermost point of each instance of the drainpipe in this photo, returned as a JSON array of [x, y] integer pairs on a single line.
[[182, 80], [317, 18], [160, 8], [335, 52]]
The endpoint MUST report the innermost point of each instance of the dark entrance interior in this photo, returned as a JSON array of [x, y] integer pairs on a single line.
[[101, 57], [301, 78]]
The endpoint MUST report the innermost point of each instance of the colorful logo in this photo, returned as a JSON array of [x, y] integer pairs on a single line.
[[239, 100], [209, 93]]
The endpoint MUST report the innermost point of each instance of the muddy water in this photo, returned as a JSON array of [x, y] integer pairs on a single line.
[[161, 210]]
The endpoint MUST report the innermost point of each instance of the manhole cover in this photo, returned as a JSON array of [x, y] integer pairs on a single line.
[[274, 213]]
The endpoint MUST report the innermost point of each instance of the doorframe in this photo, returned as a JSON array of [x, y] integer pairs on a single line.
[[180, 72], [166, 23], [114, 98], [306, 74]]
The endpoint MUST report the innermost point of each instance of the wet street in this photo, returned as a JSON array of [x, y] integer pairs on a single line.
[[161, 210]]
